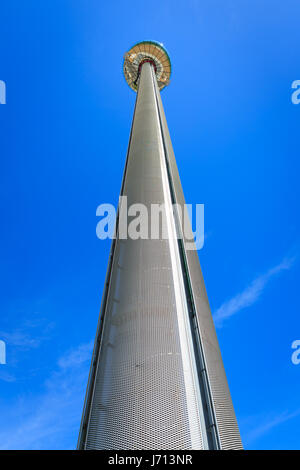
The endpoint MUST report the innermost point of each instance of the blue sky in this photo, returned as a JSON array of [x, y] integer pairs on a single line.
[[64, 133]]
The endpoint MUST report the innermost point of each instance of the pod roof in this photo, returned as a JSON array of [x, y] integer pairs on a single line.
[[147, 51]]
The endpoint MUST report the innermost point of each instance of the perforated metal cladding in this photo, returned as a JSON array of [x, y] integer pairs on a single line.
[[141, 398], [223, 408]]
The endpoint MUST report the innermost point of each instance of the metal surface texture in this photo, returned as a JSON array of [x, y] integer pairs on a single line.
[[227, 427], [157, 379]]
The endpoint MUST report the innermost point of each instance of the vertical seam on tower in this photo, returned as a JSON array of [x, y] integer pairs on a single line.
[[187, 354], [211, 425]]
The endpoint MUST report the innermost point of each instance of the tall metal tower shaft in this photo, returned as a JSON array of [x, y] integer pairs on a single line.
[[157, 379]]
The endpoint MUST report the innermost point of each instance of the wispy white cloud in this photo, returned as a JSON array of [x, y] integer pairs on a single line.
[[6, 376], [20, 338], [49, 420], [266, 425], [29, 334], [76, 357], [251, 294]]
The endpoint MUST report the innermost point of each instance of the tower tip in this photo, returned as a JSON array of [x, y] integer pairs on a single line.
[[147, 51]]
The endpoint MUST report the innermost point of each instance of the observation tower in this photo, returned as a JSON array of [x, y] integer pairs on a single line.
[[157, 379]]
